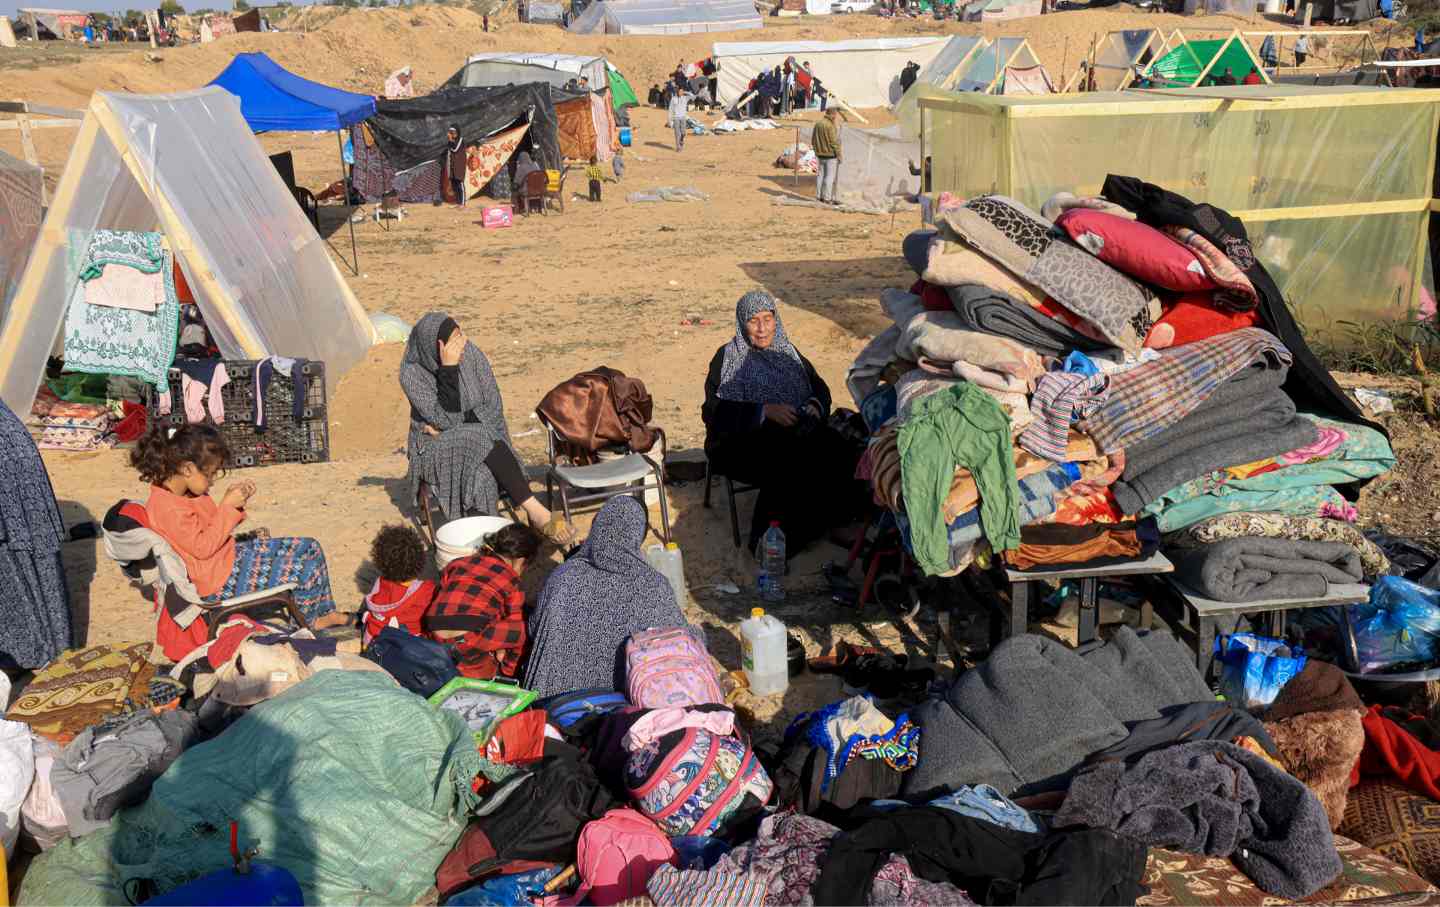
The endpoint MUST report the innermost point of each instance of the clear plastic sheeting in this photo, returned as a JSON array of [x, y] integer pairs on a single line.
[[668, 194], [491, 70], [665, 17], [864, 72], [1118, 52], [875, 171], [22, 191], [1333, 184], [261, 274]]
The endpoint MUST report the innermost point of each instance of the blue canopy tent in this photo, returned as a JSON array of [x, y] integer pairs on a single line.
[[273, 99]]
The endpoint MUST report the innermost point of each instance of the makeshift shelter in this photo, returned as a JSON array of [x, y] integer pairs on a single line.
[[665, 17], [543, 11], [247, 21], [1111, 62], [1343, 237], [864, 72], [273, 99], [621, 94], [406, 137], [943, 73], [493, 70], [22, 206], [186, 165], [1193, 62], [49, 24], [877, 167], [1000, 10]]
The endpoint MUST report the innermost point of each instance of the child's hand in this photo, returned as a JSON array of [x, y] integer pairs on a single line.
[[239, 494]]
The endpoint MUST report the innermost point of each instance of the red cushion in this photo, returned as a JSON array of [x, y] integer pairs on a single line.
[[1194, 317], [1138, 250], [933, 298]]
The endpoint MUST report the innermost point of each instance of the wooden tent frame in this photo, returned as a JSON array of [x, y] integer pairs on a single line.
[[61, 118], [1234, 36], [1001, 67], [1182, 101], [52, 241], [980, 44], [1090, 58], [1327, 33]]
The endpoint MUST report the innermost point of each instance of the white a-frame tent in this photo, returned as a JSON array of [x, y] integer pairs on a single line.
[[186, 165]]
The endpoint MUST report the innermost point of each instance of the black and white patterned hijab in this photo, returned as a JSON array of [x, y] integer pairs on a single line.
[[772, 375]]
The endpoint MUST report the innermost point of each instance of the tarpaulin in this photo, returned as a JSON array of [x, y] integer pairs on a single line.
[[410, 132]]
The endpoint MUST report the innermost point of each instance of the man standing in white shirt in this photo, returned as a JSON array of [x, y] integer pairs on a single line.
[[679, 114]]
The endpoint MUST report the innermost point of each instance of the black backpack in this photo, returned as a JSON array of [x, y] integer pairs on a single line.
[[421, 665]]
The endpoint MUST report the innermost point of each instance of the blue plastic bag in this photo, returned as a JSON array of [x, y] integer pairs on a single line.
[[1400, 625], [1251, 674], [512, 890]]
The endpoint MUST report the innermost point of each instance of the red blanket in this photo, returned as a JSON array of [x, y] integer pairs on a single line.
[[1392, 750]]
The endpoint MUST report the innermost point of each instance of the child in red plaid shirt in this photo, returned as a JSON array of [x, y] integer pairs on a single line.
[[479, 613]]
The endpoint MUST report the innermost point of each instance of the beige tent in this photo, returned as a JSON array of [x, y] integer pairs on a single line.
[[186, 165], [864, 72], [1114, 57]]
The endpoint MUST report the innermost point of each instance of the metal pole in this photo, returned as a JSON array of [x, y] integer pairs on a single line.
[[796, 181], [349, 211]]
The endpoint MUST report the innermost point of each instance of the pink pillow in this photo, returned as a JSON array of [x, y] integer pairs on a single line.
[[1138, 250]]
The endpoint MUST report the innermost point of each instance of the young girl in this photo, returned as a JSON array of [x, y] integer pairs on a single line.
[[181, 465], [479, 613], [399, 597]]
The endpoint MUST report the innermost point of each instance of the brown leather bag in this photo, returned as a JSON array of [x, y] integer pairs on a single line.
[[598, 408]]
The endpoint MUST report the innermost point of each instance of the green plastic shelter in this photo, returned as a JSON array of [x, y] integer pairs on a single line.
[[1195, 62], [621, 94]]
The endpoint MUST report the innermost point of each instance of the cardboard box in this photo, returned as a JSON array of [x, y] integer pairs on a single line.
[[497, 216]]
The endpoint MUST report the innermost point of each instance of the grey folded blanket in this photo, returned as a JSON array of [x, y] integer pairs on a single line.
[[984, 309], [916, 250], [1035, 709], [1254, 568], [1247, 418], [1210, 797]]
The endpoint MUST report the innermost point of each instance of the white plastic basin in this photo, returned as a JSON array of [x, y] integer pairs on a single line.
[[463, 537]]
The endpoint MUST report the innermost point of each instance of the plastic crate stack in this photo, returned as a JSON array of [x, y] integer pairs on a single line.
[[285, 439]]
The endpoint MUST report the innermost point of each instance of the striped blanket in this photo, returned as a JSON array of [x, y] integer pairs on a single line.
[[1149, 398]]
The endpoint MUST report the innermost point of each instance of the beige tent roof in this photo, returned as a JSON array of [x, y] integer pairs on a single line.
[[186, 165]]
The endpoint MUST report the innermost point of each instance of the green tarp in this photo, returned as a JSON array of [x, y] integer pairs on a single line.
[[1184, 64], [355, 785], [621, 94]]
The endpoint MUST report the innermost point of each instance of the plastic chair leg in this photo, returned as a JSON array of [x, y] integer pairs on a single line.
[[734, 514]]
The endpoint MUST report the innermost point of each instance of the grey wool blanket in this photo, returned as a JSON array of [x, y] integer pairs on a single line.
[[1255, 568], [1247, 418], [1034, 710], [990, 311], [1214, 798]]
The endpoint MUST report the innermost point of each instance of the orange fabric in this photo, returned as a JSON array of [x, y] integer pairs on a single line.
[[1193, 317], [200, 532], [1113, 543], [182, 288]]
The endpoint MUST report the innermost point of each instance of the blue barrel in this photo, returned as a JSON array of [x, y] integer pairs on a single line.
[[263, 884], [625, 136]]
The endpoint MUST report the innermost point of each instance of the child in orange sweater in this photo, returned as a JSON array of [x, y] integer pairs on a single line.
[[181, 465]]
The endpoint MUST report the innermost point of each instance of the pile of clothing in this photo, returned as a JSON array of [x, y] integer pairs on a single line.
[[1104, 378]]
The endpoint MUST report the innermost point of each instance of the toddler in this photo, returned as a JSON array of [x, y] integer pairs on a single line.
[[399, 597], [596, 177]]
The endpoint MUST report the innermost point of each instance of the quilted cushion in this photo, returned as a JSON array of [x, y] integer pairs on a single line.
[[1137, 249]]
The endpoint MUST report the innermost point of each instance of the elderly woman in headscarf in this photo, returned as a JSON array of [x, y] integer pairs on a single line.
[[524, 166], [452, 164], [459, 442], [594, 602], [765, 417]]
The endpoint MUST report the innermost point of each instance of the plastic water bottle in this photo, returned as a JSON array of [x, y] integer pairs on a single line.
[[771, 555], [670, 564], [762, 653]]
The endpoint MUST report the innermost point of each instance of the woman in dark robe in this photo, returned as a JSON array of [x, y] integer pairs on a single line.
[[35, 606], [459, 441], [765, 417], [453, 165]]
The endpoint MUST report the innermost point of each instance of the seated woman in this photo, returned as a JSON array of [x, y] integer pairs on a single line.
[[479, 613], [459, 442], [595, 601], [765, 417], [181, 467]]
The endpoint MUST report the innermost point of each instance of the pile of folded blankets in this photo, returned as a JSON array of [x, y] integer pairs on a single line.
[[56, 424], [1104, 378]]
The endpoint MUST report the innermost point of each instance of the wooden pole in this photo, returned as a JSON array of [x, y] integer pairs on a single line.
[[349, 211], [796, 181], [1065, 58]]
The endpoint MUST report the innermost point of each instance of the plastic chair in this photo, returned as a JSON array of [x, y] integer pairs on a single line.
[[425, 500], [532, 192], [555, 187], [731, 490], [607, 479]]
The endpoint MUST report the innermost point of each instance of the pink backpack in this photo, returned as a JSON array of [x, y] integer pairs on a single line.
[[617, 854], [667, 667]]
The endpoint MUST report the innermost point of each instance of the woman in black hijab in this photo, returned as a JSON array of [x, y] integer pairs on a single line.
[[452, 164]]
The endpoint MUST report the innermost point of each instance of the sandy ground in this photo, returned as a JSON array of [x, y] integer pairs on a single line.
[[606, 283]]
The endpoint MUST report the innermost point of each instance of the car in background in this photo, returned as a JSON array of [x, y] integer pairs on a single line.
[[852, 6]]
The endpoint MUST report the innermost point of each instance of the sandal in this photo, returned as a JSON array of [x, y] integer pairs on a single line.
[[558, 532], [840, 658]]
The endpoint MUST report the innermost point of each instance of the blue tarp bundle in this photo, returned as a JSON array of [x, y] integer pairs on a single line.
[[274, 99]]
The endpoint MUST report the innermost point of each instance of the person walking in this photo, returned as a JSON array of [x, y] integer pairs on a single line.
[[825, 140], [1302, 49], [679, 114]]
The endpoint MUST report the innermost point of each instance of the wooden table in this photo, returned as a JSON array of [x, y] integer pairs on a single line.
[[1204, 613], [1088, 622]]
